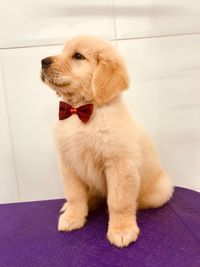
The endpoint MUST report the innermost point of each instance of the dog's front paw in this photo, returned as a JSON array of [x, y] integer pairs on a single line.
[[64, 207], [69, 221], [123, 236]]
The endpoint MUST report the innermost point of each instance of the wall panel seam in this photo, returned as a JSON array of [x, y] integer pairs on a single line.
[[114, 22], [10, 134], [112, 39]]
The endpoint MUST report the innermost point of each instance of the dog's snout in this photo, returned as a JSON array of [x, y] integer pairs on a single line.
[[46, 62]]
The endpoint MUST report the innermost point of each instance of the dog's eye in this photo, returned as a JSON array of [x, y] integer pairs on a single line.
[[78, 56]]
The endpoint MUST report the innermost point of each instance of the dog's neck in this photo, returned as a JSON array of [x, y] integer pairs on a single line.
[[74, 102], [85, 102]]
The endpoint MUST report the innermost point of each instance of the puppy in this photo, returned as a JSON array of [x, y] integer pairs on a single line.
[[104, 153]]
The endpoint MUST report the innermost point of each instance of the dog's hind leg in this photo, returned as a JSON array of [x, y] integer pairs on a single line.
[[157, 193]]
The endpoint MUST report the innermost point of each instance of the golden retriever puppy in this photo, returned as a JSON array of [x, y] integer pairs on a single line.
[[104, 153]]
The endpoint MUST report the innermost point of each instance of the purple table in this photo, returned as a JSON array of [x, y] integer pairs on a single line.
[[170, 236]]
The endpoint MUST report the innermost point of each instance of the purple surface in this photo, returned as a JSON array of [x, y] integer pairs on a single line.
[[170, 236]]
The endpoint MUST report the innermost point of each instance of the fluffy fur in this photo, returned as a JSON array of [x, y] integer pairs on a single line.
[[111, 157]]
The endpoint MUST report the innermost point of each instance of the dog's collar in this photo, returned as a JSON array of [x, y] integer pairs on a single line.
[[84, 112]]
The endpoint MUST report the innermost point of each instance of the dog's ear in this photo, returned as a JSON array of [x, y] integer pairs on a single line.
[[110, 76]]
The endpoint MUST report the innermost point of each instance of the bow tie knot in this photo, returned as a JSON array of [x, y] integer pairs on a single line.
[[73, 110], [84, 112]]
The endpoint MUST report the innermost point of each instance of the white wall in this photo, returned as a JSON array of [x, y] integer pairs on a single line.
[[160, 43]]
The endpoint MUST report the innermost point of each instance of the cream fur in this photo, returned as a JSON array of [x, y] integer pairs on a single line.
[[111, 157]]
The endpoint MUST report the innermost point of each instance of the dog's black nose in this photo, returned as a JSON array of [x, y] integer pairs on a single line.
[[46, 62]]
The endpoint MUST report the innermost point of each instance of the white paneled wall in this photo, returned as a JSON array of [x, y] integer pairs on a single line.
[[32, 110], [8, 178], [159, 41], [146, 18], [165, 96], [45, 22]]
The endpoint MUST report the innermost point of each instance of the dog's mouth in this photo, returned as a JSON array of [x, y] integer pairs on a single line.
[[53, 82], [61, 87]]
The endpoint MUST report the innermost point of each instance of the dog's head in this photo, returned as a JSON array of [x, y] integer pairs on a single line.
[[88, 69]]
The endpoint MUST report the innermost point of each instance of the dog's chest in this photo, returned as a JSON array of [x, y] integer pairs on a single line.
[[83, 147]]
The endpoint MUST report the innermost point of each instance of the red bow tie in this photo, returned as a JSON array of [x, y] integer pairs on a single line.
[[84, 112]]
